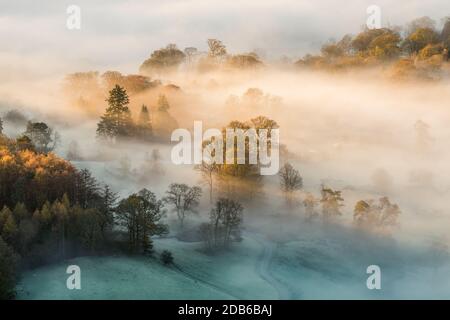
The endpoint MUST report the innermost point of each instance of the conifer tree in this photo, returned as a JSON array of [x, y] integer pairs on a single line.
[[163, 103], [144, 126], [116, 122]]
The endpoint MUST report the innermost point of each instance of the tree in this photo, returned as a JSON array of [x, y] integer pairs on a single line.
[[207, 172], [420, 39], [164, 59], [144, 125], [184, 199], [377, 217], [420, 23], [290, 180], [9, 230], [331, 203], [87, 189], [226, 218], [144, 116], [190, 53], [1, 126], [362, 41], [140, 215], [244, 61], [163, 103], [166, 257], [445, 33], [331, 51], [106, 210], [8, 271], [42, 136], [60, 212], [217, 49], [385, 46], [116, 122], [310, 202], [25, 143], [206, 234]]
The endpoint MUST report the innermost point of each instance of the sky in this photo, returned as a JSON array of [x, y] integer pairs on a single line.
[[121, 34]]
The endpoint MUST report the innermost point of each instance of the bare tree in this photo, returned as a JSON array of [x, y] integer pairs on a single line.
[[290, 181], [184, 199], [217, 49], [226, 217], [207, 172], [190, 53]]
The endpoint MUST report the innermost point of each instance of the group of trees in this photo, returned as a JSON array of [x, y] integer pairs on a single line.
[[418, 40], [140, 214], [169, 58], [183, 198], [86, 90], [254, 98], [38, 136], [233, 177], [378, 217], [224, 225], [87, 85], [290, 181], [49, 209], [117, 122], [420, 47]]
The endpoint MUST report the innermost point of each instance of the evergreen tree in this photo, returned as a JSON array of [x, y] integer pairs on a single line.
[[144, 116], [9, 229], [163, 103], [8, 269], [116, 122], [144, 126], [106, 209], [4, 214], [86, 189]]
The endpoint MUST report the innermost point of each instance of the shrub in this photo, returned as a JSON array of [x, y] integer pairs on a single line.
[[167, 257]]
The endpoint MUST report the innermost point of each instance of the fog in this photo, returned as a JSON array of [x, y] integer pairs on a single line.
[[354, 131], [338, 130], [116, 34]]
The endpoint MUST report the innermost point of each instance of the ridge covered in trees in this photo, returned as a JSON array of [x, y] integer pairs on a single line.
[[419, 50]]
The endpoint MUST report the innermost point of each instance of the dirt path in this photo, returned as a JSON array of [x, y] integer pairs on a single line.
[[263, 267]]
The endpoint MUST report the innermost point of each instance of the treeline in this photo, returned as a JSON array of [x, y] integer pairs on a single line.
[[418, 50], [51, 211], [171, 57], [374, 216]]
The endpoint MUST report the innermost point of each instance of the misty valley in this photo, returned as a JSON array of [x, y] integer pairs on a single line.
[[135, 183]]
